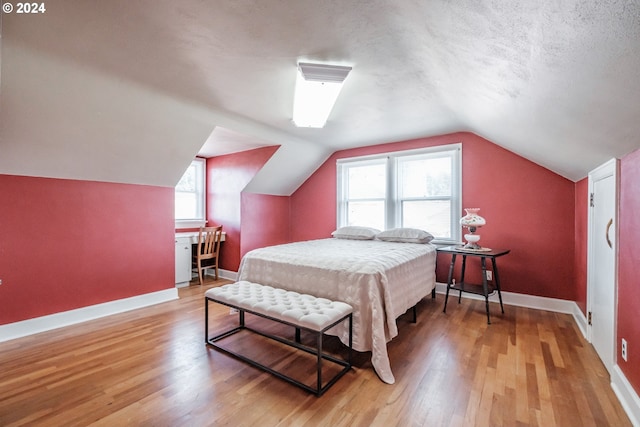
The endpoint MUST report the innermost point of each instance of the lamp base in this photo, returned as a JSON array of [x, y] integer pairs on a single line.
[[472, 245], [472, 241], [480, 249]]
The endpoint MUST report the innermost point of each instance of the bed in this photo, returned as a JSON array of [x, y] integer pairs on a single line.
[[380, 279]]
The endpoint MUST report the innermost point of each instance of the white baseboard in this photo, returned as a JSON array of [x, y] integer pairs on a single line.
[[72, 317], [532, 301], [523, 300], [626, 395], [227, 274], [581, 320], [223, 274]]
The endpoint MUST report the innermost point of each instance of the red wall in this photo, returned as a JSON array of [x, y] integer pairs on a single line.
[[265, 221], [628, 262], [67, 244], [528, 209], [581, 228], [227, 176]]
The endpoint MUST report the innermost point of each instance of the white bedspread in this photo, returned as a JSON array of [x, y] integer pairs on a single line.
[[380, 280]]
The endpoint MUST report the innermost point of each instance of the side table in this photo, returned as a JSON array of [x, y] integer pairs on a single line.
[[485, 289]]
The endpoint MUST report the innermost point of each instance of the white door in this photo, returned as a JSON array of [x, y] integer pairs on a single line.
[[602, 256]]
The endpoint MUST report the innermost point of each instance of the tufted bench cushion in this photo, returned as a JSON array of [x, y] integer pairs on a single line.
[[313, 314], [299, 309]]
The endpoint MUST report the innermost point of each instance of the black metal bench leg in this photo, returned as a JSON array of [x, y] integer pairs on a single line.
[[206, 320], [319, 387], [350, 337]]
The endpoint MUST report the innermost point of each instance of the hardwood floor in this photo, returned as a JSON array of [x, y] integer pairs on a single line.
[[150, 367]]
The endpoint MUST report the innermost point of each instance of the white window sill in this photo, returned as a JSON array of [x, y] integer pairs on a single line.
[[196, 223]]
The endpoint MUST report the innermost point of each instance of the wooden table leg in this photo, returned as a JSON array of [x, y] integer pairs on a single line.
[[449, 281], [497, 282], [485, 287]]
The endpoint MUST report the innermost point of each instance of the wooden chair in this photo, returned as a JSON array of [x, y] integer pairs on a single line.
[[207, 251]]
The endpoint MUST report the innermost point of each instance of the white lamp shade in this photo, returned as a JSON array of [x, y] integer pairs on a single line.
[[472, 219]]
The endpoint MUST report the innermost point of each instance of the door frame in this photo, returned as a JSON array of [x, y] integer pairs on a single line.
[[609, 168]]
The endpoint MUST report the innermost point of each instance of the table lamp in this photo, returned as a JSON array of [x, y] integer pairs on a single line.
[[472, 221]]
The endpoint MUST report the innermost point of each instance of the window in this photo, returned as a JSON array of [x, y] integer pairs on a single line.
[[414, 188], [190, 196]]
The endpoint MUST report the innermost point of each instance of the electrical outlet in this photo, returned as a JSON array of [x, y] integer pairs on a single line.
[[489, 275], [624, 349], [0, 281], [233, 311]]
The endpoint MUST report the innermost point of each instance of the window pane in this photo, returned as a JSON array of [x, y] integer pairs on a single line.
[[367, 182], [188, 181], [415, 188], [189, 193], [425, 177], [366, 214], [186, 205], [433, 216]]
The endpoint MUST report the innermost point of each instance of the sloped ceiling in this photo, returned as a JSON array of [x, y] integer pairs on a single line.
[[130, 91]]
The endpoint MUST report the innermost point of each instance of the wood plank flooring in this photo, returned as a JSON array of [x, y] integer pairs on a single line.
[[150, 367]]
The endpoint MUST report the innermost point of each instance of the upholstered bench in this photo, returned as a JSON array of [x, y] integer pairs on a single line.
[[301, 311]]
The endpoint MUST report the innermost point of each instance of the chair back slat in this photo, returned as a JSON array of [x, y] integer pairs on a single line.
[[209, 240], [206, 255]]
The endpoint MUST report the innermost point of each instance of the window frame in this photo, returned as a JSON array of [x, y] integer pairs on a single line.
[[342, 203], [393, 208], [201, 196]]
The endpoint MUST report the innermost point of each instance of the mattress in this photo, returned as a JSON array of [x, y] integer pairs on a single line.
[[380, 280]]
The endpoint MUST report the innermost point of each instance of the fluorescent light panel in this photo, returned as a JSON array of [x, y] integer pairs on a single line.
[[317, 88]]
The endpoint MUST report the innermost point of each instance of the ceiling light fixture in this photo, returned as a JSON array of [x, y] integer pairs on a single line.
[[317, 88]]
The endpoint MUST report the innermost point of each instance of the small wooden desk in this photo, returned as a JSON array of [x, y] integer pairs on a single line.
[[484, 289]]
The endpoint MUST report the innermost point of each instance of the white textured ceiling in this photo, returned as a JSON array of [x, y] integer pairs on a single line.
[[226, 141], [94, 90]]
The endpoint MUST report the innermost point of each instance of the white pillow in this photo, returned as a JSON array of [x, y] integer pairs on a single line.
[[405, 235], [355, 233]]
